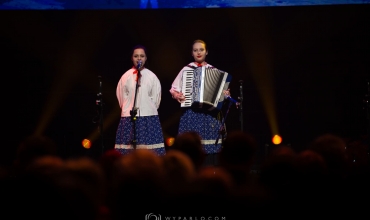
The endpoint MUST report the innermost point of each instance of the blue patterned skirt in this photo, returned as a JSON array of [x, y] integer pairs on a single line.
[[207, 124], [149, 135]]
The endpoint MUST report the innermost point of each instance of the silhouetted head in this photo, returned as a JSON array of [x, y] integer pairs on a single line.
[[333, 149], [33, 147], [190, 144], [238, 149], [179, 170]]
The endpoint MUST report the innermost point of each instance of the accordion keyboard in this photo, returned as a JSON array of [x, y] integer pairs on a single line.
[[187, 88]]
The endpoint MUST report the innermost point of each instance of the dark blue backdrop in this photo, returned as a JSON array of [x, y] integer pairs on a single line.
[[154, 4]]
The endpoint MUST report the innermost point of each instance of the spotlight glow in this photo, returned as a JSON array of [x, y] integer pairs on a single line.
[[276, 139], [170, 141], [86, 143]]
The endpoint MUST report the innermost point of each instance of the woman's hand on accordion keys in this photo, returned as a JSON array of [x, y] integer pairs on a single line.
[[178, 96], [227, 92]]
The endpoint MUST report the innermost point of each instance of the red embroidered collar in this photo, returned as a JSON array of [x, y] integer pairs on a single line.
[[135, 72], [199, 64]]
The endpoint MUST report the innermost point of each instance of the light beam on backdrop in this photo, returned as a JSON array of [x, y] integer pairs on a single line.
[[112, 117], [256, 43], [72, 65], [31, 27], [261, 72], [70, 68]]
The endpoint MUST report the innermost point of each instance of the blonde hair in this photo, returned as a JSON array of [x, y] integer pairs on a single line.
[[200, 41]]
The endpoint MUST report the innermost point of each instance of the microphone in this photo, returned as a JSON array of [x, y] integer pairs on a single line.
[[138, 64], [231, 99]]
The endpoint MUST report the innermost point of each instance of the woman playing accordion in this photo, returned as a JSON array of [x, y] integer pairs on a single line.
[[197, 118]]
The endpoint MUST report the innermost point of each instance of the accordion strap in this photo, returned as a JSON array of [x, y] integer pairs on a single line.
[[193, 67]]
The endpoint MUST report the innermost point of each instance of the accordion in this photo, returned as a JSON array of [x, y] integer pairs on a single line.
[[203, 87]]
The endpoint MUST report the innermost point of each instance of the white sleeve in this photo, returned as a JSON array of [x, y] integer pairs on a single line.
[[157, 91], [119, 92], [123, 87], [177, 83]]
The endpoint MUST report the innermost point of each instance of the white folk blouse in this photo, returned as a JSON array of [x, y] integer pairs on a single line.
[[148, 97]]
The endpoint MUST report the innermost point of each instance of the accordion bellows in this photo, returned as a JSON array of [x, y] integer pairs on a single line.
[[202, 87]]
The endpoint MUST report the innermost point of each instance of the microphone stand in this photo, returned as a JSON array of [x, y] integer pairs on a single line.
[[222, 131], [99, 102], [241, 105], [133, 112], [367, 103]]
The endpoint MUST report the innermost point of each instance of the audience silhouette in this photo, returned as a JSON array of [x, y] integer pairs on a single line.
[[328, 178], [31, 148], [190, 143], [277, 174], [237, 156]]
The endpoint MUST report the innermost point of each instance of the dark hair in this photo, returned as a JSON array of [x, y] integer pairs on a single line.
[[139, 46], [239, 148], [190, 143], [33, 147]]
